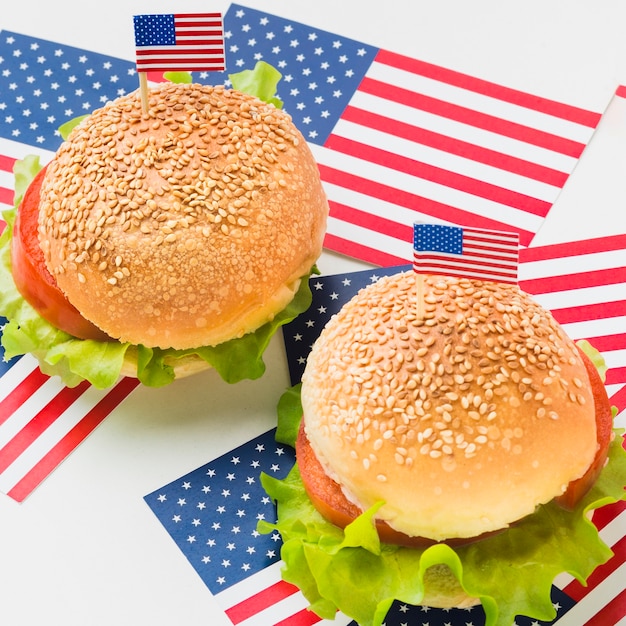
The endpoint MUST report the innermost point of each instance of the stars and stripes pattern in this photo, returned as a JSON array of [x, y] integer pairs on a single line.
[[42, 85], [179, 42], [466, 252], [399, 140], [212, 514]]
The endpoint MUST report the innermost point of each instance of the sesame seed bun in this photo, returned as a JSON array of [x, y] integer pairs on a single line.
[[186, 226], [462, 421]]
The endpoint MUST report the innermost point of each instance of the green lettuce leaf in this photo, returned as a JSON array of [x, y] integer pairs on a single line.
[[260, 82], [511, 572], [178, 77], [68, 127], [595, 356], [100, 363]]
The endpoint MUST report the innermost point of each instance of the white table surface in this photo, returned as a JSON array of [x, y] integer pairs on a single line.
[[80, 551]]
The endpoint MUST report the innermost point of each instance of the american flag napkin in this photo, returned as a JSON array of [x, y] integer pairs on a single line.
[[42, 85], [399, 140]]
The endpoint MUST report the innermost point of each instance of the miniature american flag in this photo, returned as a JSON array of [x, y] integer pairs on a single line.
[[466, 252], [179, 42]]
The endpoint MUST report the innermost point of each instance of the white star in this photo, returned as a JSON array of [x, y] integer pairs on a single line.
[[235, 460], [186, 485], [196, 522], [206, 559], [191, 539], [162, 498]]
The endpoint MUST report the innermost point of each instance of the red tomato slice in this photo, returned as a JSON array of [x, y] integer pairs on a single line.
[[32, 277], [604, 432]]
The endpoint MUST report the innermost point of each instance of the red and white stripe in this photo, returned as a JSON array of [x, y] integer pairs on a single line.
[[264, 598], [418, 142], [583, 283], [11, 151], [42, 421], [602, 601]]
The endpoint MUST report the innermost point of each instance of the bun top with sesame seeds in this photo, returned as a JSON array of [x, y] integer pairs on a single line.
[[463, 420], [185, 226]]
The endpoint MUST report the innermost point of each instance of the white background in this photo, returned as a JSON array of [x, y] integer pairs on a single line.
[[84, 549]]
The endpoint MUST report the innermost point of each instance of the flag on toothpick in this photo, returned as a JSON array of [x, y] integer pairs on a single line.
[[179, 42], [465, 252]]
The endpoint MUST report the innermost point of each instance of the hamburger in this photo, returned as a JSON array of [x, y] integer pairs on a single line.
[[445, 458], [156, 244]]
